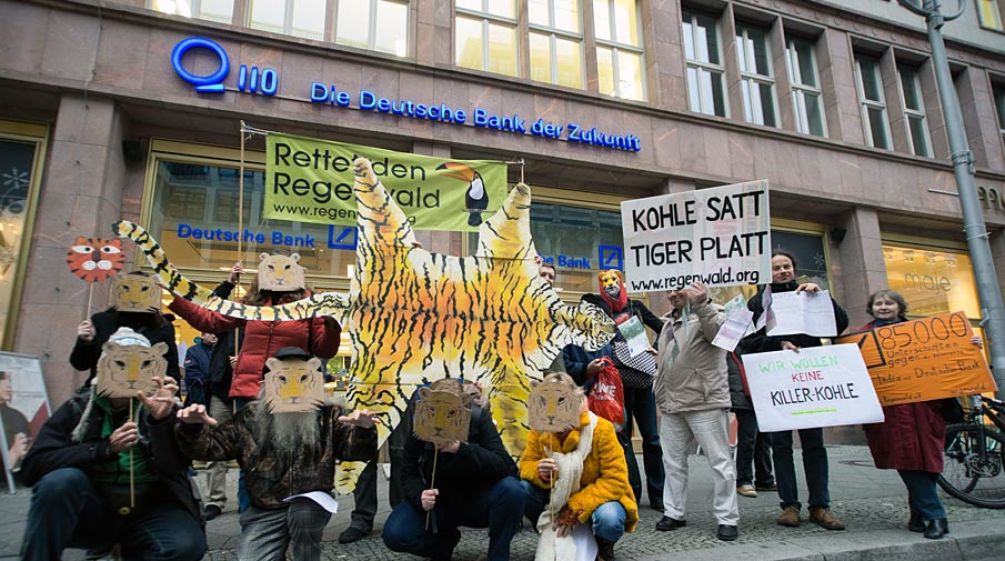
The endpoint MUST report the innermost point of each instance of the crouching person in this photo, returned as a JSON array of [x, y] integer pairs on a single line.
[[470, 483], [287, 443], [574, 475], [106, 470]]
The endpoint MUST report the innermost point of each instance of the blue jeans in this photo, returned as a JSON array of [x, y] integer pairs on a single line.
[[67, 512], [640, 404], [814, 465], [266, 534], [243, 500], [608, 519], [922, 493], [499, 508]]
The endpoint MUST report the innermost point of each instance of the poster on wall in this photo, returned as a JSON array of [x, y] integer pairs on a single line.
[[719, 237], [824, 386], [311, 180], [923, 360], [24, 407]]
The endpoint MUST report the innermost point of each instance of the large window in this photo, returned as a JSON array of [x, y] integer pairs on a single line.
[[999, 92], [705, 70], [872, 101], [619, 48], [213, 10], [914, 111], [299, 18], [989, 13], [556, 53], [377, 25], [757, 81], [807, 98], [572, 239], [932, 281], [22, 150], [486, 37]]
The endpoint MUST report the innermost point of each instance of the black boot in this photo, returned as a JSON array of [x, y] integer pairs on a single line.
[[916, 523], [935, 529], [605, 550]]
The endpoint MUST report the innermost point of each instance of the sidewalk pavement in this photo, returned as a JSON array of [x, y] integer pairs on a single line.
[[873, 504]]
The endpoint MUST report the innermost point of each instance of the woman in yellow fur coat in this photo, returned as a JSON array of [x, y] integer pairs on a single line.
[[582, 473]]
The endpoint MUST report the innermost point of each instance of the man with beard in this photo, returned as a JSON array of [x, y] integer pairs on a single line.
[[282, 454]]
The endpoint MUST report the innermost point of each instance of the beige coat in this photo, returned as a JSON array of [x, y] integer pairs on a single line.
[[696, 380]]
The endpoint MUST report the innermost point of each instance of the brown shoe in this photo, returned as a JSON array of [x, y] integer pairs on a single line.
[[789, 517], [825, 518]]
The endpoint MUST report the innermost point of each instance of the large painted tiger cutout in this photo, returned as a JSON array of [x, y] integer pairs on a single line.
[[415, 316]]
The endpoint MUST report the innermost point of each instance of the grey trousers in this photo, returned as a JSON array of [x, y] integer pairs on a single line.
[[266, 534], [710, 429], [216, 472]]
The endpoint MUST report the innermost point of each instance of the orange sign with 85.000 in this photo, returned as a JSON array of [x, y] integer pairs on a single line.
[[925, 359]]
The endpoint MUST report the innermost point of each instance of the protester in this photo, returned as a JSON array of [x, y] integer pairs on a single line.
[[692, 392], [912, 437], [752, 446], [282, 455], [783, 279], [94, 332], [15, 424], [196, 365], [79, 467], [475, 486], [591, 454]]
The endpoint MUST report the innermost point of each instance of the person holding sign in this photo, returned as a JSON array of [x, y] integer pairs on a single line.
[[692, 392], [783, 279], [911, 438], [105, 468], [287, 442], [574, 472], [453, 483]]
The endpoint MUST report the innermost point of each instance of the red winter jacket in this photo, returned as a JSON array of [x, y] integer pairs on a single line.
[[262, 339], [912, 436]]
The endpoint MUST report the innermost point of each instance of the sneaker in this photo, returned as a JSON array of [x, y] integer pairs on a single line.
[[727, 533], [211, 512], [352, 534], [747, 490], [767, 487], [824, 518], [789, 517], [666, 524]]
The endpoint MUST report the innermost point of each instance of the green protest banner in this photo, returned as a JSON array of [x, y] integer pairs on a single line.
[[310, 180]]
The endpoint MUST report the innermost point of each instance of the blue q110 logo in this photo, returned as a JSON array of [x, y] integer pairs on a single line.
[[249, 79]]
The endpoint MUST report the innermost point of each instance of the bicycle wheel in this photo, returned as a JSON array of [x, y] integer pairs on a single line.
[[970, 476]]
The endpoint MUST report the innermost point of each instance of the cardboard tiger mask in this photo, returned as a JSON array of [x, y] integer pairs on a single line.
[[280, 272], [442, 416], [95, 260], [554, 404], [125, 369], [134, 292], [293, 386]]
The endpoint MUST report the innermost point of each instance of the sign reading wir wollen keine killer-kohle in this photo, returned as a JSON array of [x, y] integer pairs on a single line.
[[311, 180], [719, 237]]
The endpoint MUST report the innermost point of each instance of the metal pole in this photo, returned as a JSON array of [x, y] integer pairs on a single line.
[[992, 309]]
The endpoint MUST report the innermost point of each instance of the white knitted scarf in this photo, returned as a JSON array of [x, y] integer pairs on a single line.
[[550, 547]]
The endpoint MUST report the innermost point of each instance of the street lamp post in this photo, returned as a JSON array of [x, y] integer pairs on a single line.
[[992, 309]]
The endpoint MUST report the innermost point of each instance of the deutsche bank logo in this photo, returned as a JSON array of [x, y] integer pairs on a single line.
[[611, 257], [249, 79]]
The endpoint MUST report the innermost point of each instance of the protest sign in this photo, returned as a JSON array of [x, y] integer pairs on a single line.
[[802, 312], [24, 408], [925, 359], [736, 327], [817, 387], [635, 334], [311, 180], [719, 237]]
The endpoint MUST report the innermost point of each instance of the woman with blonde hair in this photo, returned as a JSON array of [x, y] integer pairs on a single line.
[[577, 476]]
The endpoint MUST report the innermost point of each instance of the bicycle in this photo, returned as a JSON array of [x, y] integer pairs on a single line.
[[974, 456]]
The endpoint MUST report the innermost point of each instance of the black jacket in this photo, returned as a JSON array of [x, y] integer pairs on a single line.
[[761, 342], [152, 326], [54, 448], [480, 463]]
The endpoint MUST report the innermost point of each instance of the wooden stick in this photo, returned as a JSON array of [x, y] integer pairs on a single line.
[[432, 484], [90, 297], [132, 475], [240, 227], [551, 488]]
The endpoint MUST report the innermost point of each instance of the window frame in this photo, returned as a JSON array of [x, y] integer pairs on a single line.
[[996, 8], [371, 38], [800, 89], [917, 114], [865, 104], [616, 46], [554, 33], [486, 18], [288, 20], [998, 96], [196, 7], [753, 78], [716, 70]]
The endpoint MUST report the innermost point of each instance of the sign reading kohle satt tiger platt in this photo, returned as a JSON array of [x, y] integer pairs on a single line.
[[311, 180], [719, 237]]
